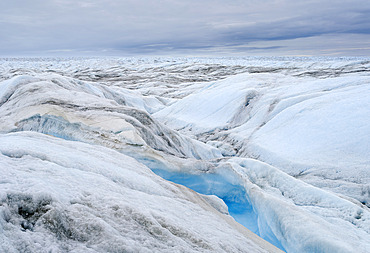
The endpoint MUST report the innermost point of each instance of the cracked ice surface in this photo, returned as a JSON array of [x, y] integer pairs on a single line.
[[283, 142]]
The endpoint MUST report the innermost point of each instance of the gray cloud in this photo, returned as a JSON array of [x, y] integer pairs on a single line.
[[171, 26]]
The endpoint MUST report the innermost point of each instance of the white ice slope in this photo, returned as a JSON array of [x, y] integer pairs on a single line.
[[314, 129], [77, 110]]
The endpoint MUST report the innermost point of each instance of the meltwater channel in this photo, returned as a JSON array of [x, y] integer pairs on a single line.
[[234, 196]]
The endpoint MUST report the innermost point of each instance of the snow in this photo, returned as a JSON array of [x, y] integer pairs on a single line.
[[280, 144]]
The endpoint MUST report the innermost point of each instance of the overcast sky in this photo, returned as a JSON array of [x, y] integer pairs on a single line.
[[188, 27]]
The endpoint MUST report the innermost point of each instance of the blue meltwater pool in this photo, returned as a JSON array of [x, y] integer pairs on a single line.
[[234, 196]]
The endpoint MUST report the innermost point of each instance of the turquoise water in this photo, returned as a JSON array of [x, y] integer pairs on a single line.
[[234, 196]]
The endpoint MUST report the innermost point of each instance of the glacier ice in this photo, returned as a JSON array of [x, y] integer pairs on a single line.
[[283, 142], [88, 198]]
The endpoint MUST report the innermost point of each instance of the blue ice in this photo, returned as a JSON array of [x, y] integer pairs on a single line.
[[234, 196]]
